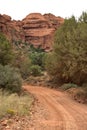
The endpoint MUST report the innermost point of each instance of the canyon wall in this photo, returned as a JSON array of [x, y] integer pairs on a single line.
[[35, 28]]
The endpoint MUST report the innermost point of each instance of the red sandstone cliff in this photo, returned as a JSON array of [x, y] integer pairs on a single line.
[[12, 29], [35, 28]]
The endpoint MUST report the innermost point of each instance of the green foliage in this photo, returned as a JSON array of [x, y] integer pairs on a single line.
[[23, 63], [33, 49], [26, 57], [83, 17], [68, 86], [6, 54], [35, 70], [10, 79], [36, 55], [53, 65], [68, 61], [25, 68], [37, 58]]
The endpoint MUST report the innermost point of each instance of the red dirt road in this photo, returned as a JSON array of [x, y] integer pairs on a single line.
[[56, 111]]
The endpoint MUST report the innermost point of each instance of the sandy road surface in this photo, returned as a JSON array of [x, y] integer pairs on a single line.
[[56, 111]]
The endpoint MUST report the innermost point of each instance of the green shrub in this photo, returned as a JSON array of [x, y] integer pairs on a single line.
[[6, 54], [35, 70], [23, 63], [36, 55], [10, 79], [68, 86], [68, 61]]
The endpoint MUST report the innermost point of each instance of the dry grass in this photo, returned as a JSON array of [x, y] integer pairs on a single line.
[[14, 105]]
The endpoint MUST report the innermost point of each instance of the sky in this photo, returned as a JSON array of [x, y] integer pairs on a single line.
[[19, 9]]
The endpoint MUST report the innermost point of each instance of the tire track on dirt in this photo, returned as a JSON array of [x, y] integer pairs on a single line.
[[63, 113]]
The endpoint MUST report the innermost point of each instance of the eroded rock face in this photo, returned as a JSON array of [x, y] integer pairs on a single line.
[[34, 29], [53, 20], [11, 28], [39, 29]]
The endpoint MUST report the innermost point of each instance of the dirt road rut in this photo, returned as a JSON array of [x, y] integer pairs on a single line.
[[56, 111]]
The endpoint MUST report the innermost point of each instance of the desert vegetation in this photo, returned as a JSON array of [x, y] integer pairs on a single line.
[[68, 61], [13, 105], [10, 79], [14, 66], [65, 65]]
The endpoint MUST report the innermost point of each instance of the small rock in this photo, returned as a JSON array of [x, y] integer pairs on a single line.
[[4, 123], [7, 127]]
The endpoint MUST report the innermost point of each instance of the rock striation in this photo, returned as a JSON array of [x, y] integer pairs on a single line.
[[11, 28], [35, 28], [39, 29]]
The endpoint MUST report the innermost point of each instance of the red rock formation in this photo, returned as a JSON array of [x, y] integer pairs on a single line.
[[53, 20], [39, 29], [35, 29], [12, 29]]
